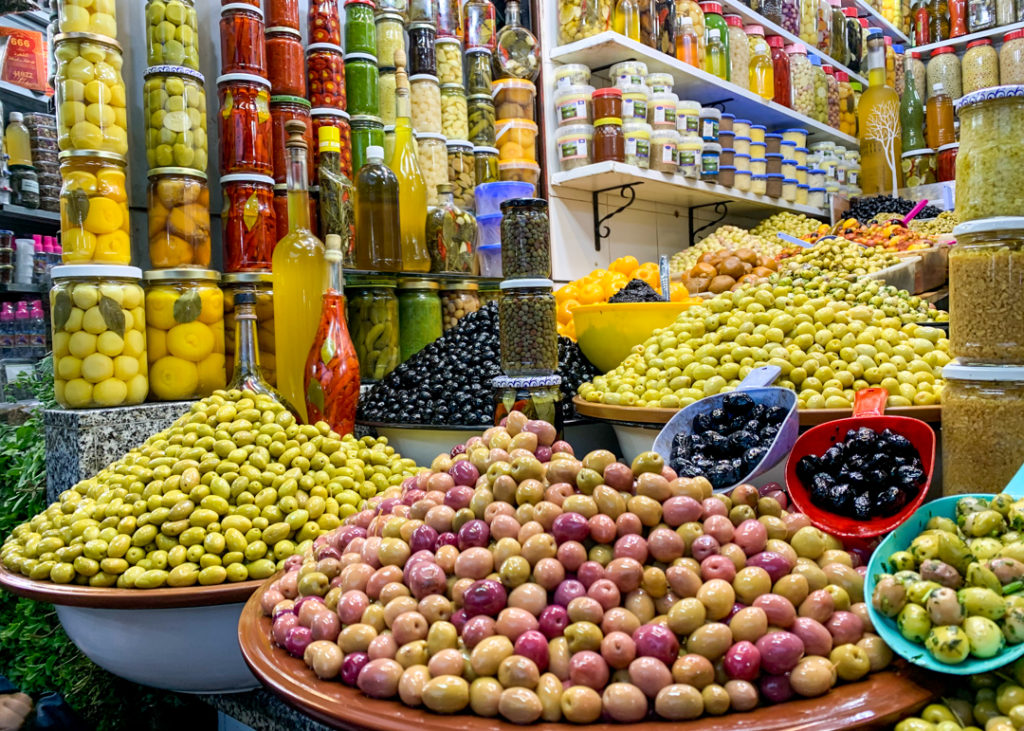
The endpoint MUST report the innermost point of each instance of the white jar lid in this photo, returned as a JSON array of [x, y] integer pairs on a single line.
[[960, 372], [78, 271], [528, 283], [984, 225]]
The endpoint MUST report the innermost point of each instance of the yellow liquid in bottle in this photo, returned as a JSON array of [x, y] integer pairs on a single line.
[[18, 145], [300, 279], [412, 200], [880, 136], [626, 19]]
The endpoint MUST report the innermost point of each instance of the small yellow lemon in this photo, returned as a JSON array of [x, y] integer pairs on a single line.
[[125, 368], [156, 342], [75, 19], [103, 6], [82, 344], [60, 344], [139, 319], [104, 217], [97, 367], [102, 115], [79, 245], [113, 291], [69, 367], [111, 185], [103, 24], [160, 309], [93, 321], [110, 343], [173, 379], [138, 388], [114, 247], [85, 296], [110, 392], [80, 180], [74, 323], [97, 92], [192, 341], [212, 300], [132, 296], [78, 393], [86, 136], [211, 373], [72, 89], [58, 390], [134, 343]]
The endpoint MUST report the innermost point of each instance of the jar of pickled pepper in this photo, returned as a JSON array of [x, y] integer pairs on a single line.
[[284, 109], [245, 125], [249, 224], [286, 63], [333, 118], [325, 64], [283, 14], [324, 22], [242, 40], [262, 283], [373, 323]]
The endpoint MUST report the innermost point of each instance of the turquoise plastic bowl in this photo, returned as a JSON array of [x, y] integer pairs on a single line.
[[899, 540]]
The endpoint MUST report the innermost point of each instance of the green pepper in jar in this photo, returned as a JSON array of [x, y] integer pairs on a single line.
[[373, 321]]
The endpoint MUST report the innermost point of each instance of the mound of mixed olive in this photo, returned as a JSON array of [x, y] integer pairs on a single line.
[[959, 586], [513, 579], [226, 493], [990, 701]]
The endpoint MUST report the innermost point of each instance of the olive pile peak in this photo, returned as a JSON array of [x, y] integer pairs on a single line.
[[226, 493], [794, 224], [725, 237], [829, 337], [840, 256]]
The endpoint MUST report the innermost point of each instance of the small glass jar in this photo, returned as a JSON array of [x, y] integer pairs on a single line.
[[979, 68], [527, 327], [918, 167], [451, 236], [262, 285], [333, 118], [1011, 58], [367, 131], [242, 40], [179, 218], [362, 84], [832, 98], [422, 50], [371, 304], [486, 164], [172, 33], [637, 144], [458, 299], [448, 19], [944, 68], [987, 121], [94, 208], [607, 103], [433, 160], [284, 109], [282, 14], [462, 173], [449, 61], [390, 38], [481, 120], [478, 71], [419, 316], [739, 52], [425, 95], [802, 76], [525, 238], [245, 125], [360, 30], [184, 333], [249, 223], [324, 22], [104, 364], [454, 112], [536, 397], [325, 70], [387, 88], [573, 105], [663, 150], [94, 59], [609, 142]]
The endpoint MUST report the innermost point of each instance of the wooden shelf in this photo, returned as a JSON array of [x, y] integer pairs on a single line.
[[960, 44], [607, 48]]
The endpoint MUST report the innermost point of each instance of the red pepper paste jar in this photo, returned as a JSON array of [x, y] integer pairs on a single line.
[[607, 103], [325, 69], [609, 142], [283, 14], [243, 48], [324, 22], [245, 125], [249, 226], [282, 110], [780, 71], [946, 163], [333, 118], [281, 210], [286, 62]]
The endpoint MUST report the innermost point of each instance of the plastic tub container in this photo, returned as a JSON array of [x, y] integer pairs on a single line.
[[741, 127], [741, 161], [516, 139], [490, 260], [710, 118], [741, 144], [520, 170], [490, 196], [816, 197], [571, 74], [688, 117], [741, 181], [575, 146], [573, 104], [795, 135], [789, 189], [489, 228], [628, 73], [725, 125], [758, 166], [514, 98]]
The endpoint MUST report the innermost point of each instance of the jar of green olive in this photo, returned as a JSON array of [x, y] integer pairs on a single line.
[[527, 328]]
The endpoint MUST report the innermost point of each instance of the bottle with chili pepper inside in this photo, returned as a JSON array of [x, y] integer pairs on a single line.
[[332, 370], [247, 375], [337, 214]]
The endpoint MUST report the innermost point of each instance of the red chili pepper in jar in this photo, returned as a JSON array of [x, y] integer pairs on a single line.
[[286, 62], [242, 40], [325, 64], [282, 110], [283, 13], [324, 22], [332, 369], [250, 230]]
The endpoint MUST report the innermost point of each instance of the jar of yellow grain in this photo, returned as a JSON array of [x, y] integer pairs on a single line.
[[99, 336], [94, 208], [185, 333], [262, 284]]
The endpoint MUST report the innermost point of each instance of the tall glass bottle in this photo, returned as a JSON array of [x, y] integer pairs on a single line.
[[336, 195], [300, 277], [911, 112], [247, 375], [626, 19], [412, 190], [332, 369], [878, 115], [378, 232], [939, 118]]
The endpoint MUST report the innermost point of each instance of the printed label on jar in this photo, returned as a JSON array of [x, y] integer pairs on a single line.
[[628, 80], [709, 163], [709, 129], [690, 124], [841, 175], [572, 149], [639, 149], [687, 159], [853, 177], [29, 186], [664, 115], [668, 153], [634, 108], [573, 111]]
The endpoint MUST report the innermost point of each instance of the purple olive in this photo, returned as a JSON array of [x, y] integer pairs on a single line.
[[484, 596], [474, 534], [296, 639], [458, 497], [426, 578], [775, 564], [589, 572], [656, 640], [553, 621], [704, 546], [446, 539], [776, 688], [282, 624], [681, 509], [743, 661], [533, 644], [780, 651], [568, 590], [352, 665], [543, 454], [464, 473], [845, 628], [570, 527]]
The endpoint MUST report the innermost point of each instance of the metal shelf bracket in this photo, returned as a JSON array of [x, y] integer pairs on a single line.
[[721, 208], [601, 231]]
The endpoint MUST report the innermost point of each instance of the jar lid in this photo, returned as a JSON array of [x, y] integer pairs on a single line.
[[417, 283], [246, 178], [360, 57], [331, 48], [788, 143], [777, 175], [286, 99], [367, 120], [91, 37], [980, 42], [389, 129], [328, 112], [955, 370], [758, 126], [371, 280], [776, 41], [610, 91], [953, 145], [803, 185], [816, 190], [734, 20], [741, 137], [162, 275], [419, 77], [519, 382], [758, 159], [563, 92], [484, 150], [460, 144], [712, 147], [742, 154], [282, 30], [799, 48], [789, 181], [739, 121], [91, 155], [425, 135], [815, 171], [608, 120], [175, 71], [799, 149], [158, 172], [526, 284], [754, 30], [461, 285], [773, 156], [421, 25], [446, 40], [480, 98], [759, 177], [485, 51], [743, 172], [727, 167], [512, 84], [535, 203], [709, 7], [850, 12], [388, 15], [458, 87], [78, 271], [990, 94], [919, 152], [942, 49], [1014, 35], [984, 225], [247, 78], [246, 278], [802, 167], [240, 7]]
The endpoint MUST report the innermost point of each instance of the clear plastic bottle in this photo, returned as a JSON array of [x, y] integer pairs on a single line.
[[716, 59], [16, 140], [21, 336], [761, 72], [37, 326], [7, 330], [378, 231], [939, 118], [688, 45]]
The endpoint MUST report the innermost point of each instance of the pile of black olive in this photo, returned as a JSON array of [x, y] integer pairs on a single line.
[[448, 383], [727, 443], [636, 290], [867, 475], [865, 209]]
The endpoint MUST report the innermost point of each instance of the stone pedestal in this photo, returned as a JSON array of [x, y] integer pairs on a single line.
[[80, 443]]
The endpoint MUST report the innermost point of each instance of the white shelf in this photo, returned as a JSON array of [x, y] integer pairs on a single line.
[[960, 44], [38, 99], [607, 48], [673, 189], [738, 8], [877, 20]]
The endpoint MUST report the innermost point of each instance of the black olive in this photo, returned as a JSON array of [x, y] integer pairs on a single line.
[[702, 423], [822, 481], [742, 440], [753, 426], [758, 412], [889, 501], [753, 456], [737, 404], [775, 415], [715, 443], [876, 479], [718, 417], [862, 506], [908, 475], [831, 461], [842, 496], [719, 475]]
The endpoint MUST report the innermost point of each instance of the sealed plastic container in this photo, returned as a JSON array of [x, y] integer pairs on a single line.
[[637, 144], [172, 35], [661, 111], [179, 218], [709, 119], [741, 181], [245, 125], [989, 118], [573, 105], [514, 98], [95, 61], [575, 146], [709, 161], [688, 117], [663, 150], [242, 40], [371, 303], [325, 73], [458, 299], [490, 260], [94, 209], [516, 139], [520, 170], [419, 315], [635, 98], [262, 285], [529, 339], [104, 364], [688, 156], [490, 196], [249, 223], [572, 74]]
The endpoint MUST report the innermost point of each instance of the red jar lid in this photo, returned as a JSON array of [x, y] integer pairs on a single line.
[[754, 30], [980, 42], [915, 54], [776, 41], [709, 7], [850, 12], [371, 3], [1014, 35], [610, 91], [863, 22], [827, 68], [888, 41], [942, 49], [734, 20]]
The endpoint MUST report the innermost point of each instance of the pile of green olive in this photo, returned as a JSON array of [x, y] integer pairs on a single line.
[[992, 701], [226, 493], [840, 256], [959, 587]]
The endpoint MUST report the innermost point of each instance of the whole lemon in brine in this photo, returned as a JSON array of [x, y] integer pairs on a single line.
[[110, 392], [173, 379], [104, 216], [78, 393], [192, 341]]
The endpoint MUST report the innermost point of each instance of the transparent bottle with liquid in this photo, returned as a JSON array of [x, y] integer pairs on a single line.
[[7, 330], [626, 19], [378, 231], [412, 190], [37, 330], [247, 375], [17, 141], [21, 336]]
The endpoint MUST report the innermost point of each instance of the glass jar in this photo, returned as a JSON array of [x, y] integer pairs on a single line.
[[824, 26], [525, 238], [979, 67], [367, 131], [242, 40], [454, 112], [419, 316], [286, 63], [663, 150], [390, 38], [104, 364], [361, 84], [945, 166], [425, 95], [982, 415], [262, 285], [96, 60], [918, 167], [801, 73], [179, 218], [478, 24], [324, 22], [958, 17], [387, 92], [433, 160], [94, 208], [918, 71], [458, 299], [481, 120], [922, 23], [284, 109], [636, 143], [578, 19], [478, 71], [781, 92], [360, 30], [939, 15], [422, 49], [451, 236], [790, 16], [527, 328], [1011, 58], [847, 109], [449, 61], [832, 88], [462, 173], [249, 224], [325, 70], [245, 126], [185, 333], [1005, 12], [573, 104], [739, 52], [853, 39], [944, 68], [175, 138], [282, 14], [516, 49], [374, 324], [486, 164], [25, 190], [760, 75], [423, 11], [837, 47], [340, 120], [609, 142], [809, 22], [820, 92], [100, 20], [172, 33]]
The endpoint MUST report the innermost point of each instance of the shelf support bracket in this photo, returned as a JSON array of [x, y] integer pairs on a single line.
[[601, 231], [721, 208]]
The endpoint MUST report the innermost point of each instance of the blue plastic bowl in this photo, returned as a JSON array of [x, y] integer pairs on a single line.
[[913, 652], [489, 227], [490, 196]]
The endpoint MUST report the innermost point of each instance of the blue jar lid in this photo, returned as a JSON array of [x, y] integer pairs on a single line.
[[801, 130], [773, 155], [815, 171], [789, 181], [802, 149], [758, 126], [815, 190], [789, 143]]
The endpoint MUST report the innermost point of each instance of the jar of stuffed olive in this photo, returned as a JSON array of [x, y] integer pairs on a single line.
[[373, 324], [486, 164], [458, 299], [462, 173], [527, 328], [262, 285], [419, 315]]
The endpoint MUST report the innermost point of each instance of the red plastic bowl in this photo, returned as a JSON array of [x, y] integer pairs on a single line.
[[867, 411]]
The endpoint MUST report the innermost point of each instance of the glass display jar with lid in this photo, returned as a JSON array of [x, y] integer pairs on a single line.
[[739, 52], [419, 315], [516, 51], [944, 68], [1011, 58], [979, 68]]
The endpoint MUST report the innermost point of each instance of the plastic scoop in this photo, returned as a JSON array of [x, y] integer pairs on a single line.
[[868, 408], [794, 240], [757, 385], [913, 212]]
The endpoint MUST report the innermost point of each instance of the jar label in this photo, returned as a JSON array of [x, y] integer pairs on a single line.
[[251, 211], [709, 163], [664, 114], [639, 148], [687, 157], [709, 129], [690, 123], [572, 149], [634, 108], [853, 177], [29, 186], [668, 153], [572, 111], [629, 80]]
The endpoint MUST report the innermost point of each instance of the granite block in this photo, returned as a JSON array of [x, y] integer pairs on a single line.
[[81, 442], [263, 711]]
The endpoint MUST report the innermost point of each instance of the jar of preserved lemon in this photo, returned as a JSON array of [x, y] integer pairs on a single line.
[[185, 333], [91, 100], [179, 218], [262, 284], [99, 336], [94, 208]]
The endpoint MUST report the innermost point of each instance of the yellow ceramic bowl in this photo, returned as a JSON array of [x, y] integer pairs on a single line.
[[607, 332]]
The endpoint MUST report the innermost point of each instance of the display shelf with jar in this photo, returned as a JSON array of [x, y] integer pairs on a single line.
[[959, 44]]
